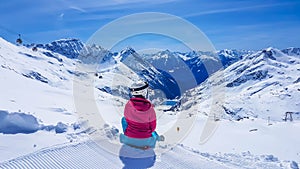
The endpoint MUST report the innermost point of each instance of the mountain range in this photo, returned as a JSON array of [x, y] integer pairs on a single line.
[[168, 67]]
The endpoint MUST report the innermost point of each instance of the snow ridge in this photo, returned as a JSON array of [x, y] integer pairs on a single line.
[[67, 47]]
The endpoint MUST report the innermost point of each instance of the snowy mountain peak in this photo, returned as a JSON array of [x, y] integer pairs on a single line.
[[230, 53], [127, 51], [124, 54], [67, 41], [165, 54], [192, 54], [270, 53], [67, 47], [95, 54], [281, 56], [292, 51]]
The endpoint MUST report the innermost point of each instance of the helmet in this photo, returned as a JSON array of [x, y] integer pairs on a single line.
[[139, 88]]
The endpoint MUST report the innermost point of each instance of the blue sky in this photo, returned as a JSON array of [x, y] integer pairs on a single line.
[[231, 24]]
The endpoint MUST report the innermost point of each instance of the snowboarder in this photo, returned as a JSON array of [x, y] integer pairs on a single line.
[[139, 121]]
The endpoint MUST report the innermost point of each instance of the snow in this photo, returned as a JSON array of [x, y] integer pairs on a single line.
[[240, 136], [42, 125], [89, 155], [254, 106], [12, 123]]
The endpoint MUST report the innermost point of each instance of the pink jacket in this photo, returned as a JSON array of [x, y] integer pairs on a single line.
[[140, 117]]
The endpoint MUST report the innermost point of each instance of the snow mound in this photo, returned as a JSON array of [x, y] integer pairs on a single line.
[[13, 123], [16, 122]]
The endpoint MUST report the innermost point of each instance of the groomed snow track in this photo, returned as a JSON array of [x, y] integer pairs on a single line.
[[89, 155]]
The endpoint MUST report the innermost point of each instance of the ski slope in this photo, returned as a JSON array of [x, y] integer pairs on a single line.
[[37, 98], [90, 155]]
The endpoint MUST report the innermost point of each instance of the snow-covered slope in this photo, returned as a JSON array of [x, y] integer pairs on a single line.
[[31, 78], [255, 94], [264, 85], [40, 120], [36, 99], [89, 155]]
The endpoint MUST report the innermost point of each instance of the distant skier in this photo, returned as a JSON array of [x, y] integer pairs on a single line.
[[139, 121]]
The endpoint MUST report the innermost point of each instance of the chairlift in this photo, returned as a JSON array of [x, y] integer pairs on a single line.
[[34, 49], [19, 40]]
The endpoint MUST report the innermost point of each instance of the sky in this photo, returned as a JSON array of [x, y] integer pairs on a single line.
[[230, 24]]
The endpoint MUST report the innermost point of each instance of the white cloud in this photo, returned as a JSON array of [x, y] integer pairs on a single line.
[[84, 6], [247, 8], [78, 9]]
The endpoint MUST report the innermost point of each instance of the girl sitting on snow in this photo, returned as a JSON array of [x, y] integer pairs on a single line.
[[139, 121]]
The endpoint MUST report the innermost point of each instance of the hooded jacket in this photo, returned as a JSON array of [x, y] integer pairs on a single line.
[[140, 117]]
